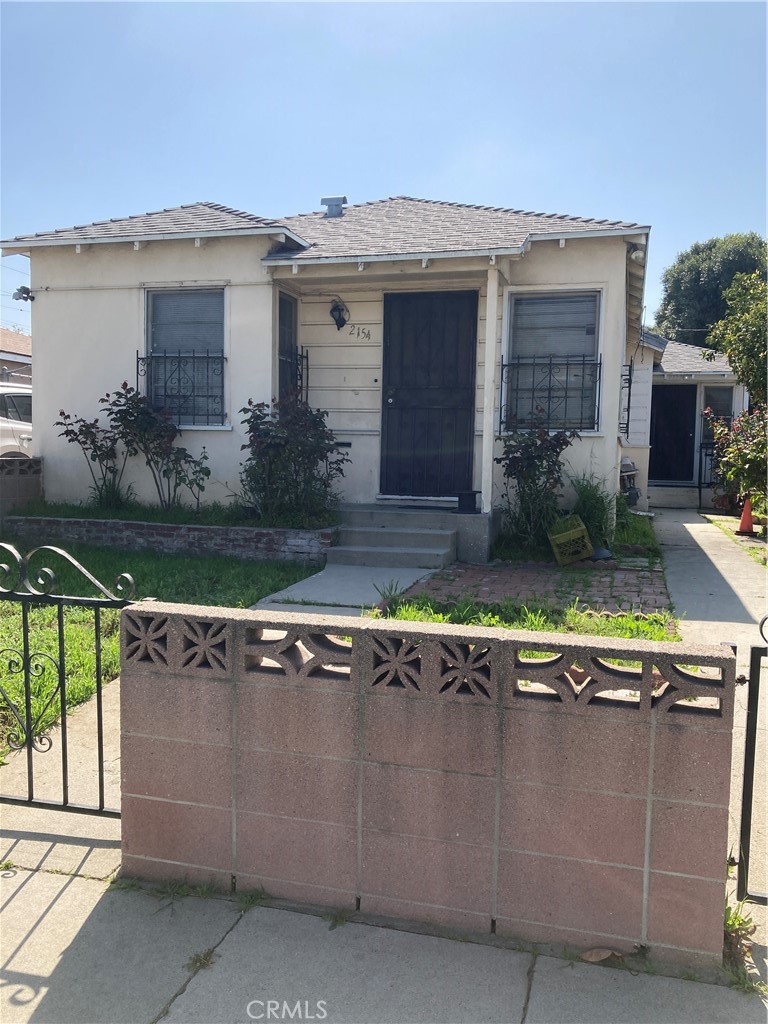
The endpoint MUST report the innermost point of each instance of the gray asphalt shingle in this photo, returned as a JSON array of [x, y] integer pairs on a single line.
[[405, 225]]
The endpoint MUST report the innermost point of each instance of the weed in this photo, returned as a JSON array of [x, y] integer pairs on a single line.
[[336, 919], [388, 591], [204, 891], [173, 891], [7, 865], [125, 885], [254, 898], [199, 961], [738, 929]]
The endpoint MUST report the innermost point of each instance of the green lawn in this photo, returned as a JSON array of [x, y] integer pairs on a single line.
[[205, 581]]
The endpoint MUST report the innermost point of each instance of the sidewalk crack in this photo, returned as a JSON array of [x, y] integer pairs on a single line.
[[180, 992], [531, 969]]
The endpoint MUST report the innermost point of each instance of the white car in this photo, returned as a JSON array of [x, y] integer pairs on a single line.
[[15, 420]]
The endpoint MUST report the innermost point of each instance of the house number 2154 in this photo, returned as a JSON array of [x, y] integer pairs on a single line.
[[360, 332]]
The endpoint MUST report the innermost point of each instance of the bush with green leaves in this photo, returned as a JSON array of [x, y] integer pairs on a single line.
[[104, 455], [741, 456], [293, 463], [136, 428], [533, 478]]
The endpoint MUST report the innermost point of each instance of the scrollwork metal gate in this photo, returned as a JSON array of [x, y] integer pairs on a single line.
[[34, 680]]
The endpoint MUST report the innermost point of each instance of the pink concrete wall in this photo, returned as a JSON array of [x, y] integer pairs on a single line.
[[433, 773]]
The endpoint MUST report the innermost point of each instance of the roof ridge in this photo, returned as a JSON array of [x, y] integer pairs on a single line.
[[506, 209]]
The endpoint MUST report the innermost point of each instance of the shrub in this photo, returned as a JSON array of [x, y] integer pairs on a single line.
[[105, 458], [531, 461], [292, 465], [740, 456], [135, 428]]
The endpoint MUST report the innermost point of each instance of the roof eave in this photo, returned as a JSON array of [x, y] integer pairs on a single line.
[[286, 259], [21, 246]]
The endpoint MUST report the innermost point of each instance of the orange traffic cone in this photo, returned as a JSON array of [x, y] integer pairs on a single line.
[[746, 528]]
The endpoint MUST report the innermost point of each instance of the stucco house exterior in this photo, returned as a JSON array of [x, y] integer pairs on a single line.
[[685, 384], [424, 328]]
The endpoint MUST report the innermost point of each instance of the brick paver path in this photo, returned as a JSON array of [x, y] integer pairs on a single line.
[[627, 588]]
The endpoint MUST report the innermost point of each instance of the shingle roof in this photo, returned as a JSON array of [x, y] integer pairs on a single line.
[[689, 359], [403, 225], [178, 220], [12, 341]]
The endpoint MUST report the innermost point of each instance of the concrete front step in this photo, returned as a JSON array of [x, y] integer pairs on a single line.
[[393, 537], [400, 519], [418, 558]]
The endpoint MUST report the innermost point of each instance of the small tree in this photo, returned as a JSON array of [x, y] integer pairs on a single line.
[[741, 334], [293, 462], [531, 461], [694, 285], [741, 456]]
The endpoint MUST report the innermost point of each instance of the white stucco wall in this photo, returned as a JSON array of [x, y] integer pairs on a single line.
[[89, 321], [582, 265]]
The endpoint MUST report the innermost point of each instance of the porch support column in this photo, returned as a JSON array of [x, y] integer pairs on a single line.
[[489, 387]]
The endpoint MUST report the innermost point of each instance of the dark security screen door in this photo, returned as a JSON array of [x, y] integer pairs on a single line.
[[428, 393], [673, 428]]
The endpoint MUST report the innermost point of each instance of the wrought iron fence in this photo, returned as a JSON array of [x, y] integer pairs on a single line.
[[28, 720], [189, 386], [758, 656], [561, 393]]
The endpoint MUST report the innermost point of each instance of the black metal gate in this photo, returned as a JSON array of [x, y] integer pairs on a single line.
[[33, 680], [757, 657]]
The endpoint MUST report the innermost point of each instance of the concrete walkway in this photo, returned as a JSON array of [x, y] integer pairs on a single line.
[[343, 589]]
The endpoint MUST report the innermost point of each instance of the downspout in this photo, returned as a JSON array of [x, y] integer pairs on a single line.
[[489, 388]]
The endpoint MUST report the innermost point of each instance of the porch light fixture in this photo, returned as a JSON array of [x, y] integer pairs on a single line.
[[636, 253], [339, 313]]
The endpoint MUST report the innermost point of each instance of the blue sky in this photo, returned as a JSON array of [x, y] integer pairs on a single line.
[[650, 112]]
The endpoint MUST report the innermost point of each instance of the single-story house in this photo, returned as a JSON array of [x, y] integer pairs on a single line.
[[387, 310], [15, 357], [685, 384]]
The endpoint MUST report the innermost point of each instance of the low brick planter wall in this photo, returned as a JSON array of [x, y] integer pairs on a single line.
[[433, 773], [237, 541]]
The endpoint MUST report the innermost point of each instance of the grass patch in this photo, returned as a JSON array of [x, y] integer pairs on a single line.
[[512, 615], [185, 579], [636, 532], [211, 514]]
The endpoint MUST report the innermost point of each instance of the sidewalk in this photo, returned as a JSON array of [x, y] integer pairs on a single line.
[[75, 951], [719, 594]]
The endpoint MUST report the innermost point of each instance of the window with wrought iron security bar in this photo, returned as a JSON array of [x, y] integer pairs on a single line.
[[552, 375], [183, 369]]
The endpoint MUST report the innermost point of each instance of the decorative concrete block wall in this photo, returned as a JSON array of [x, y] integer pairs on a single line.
[[477, 779], [21, 480], [238, 541]]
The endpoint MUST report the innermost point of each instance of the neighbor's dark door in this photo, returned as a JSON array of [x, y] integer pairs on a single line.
[[428, 393], [673, 429]]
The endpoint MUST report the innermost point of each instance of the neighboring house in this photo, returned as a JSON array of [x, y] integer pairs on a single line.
[[15, 357], [384, 307], [684, 385]]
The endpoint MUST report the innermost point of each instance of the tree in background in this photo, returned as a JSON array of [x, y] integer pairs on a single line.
[[741, 334], [695, 284]]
